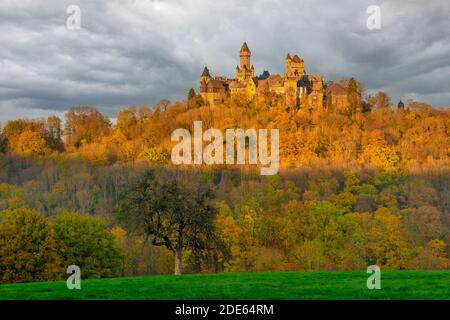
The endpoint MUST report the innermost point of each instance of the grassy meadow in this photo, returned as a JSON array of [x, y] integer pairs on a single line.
[[275, 285]]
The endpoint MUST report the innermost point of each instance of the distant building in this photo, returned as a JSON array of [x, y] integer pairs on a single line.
[[295, 84], [401, 105], [336, 96]]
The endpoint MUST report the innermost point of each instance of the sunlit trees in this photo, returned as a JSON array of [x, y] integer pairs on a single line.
[[155, 155], [354, 97], [12, 129], [55, 133], [32, 137], [382, 138], [97, 153], [194, 100], [31, 142], [379, 154], [380, 100], [128, 123], [85, 125], [157, 128]]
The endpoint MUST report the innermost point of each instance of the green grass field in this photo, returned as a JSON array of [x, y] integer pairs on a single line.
[[277, 285]]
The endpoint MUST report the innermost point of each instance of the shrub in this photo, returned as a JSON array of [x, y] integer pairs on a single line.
[[28, 247], [88, 244]]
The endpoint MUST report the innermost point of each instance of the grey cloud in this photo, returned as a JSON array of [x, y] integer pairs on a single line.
[[132, 52]]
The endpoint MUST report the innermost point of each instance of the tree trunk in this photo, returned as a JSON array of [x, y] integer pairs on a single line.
[[178, 261]]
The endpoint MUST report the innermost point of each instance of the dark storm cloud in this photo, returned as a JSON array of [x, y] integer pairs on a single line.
[[132, 52]]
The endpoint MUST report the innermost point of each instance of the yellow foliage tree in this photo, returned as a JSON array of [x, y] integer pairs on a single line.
[[30, 143], [29, 250]]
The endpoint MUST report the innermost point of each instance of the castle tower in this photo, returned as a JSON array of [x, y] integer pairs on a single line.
[[205, 74], [245, 70], [288, 60], [204, 79], [295, 67], [244, 55]]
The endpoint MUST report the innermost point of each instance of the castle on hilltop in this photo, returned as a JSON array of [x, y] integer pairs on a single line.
[[295, 84]]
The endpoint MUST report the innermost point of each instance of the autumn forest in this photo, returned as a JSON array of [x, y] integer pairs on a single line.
[[366, 185]]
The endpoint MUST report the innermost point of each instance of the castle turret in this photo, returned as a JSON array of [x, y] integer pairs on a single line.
[[212, 89], [204, 78], [205, 73], [295, 67], [244, 55], [245, 70]]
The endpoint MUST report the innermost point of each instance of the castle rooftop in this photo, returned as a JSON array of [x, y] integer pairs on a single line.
[[245, 48], [205, 72]]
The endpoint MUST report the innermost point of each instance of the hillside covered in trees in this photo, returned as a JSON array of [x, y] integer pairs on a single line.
[[367, 185]]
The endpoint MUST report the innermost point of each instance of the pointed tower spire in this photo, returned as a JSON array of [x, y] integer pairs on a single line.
[[296, 58], [245, 67], [245, 48], [205, 72]]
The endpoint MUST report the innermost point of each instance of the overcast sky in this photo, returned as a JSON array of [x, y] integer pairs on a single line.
[[134, 52]]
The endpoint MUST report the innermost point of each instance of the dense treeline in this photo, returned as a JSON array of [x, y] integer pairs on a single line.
[[373, 134], [367, 186], [307, 219]]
